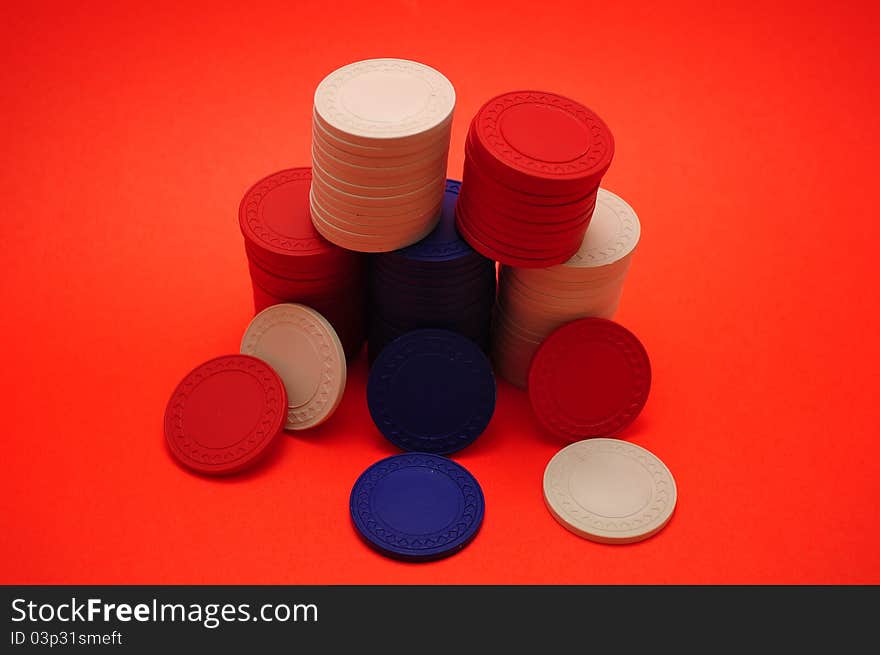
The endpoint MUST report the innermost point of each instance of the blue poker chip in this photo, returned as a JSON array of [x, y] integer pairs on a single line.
[[431, 391], [417, 506], [436, 308], [381, 332], [444, 243], [437, 275], [396, 262]]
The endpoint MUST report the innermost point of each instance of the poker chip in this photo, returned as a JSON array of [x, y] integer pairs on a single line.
[[512, 349], [380, 144], [589, 378], [417, 507], [302, 346], [533, 302], [225, 414], [437, 282], [533, 160], [290, 262], [431, 391], [609, 491]]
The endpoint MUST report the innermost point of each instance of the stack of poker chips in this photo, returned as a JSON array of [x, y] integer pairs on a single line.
[[290, 261], [533, 302], [380, 142], [533, 164], [439, 282], [531, 200]]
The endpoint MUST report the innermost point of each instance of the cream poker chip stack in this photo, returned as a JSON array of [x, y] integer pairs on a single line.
[[532, 302], [380, 142]]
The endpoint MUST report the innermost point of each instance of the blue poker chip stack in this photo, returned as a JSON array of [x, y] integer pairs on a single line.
[[439, 282]]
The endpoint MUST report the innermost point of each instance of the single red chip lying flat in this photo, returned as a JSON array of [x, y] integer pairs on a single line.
[[225, 414], [590, 378]]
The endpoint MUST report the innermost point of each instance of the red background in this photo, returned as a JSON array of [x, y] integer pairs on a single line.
[[746, 141]]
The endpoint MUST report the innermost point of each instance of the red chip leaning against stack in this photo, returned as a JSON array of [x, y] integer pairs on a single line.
[[590, 378], [290, 261], [533, 164]]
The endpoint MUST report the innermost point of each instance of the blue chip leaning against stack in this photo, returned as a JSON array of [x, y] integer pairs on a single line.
[[431, 391], [439, 282]]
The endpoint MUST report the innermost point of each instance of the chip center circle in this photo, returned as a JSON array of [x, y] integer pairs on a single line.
[[294, 355], [610, 485], [429, 400], [278, 210], [544, 133], [604, 385], [417, 501], [385, 96], [215, 425]]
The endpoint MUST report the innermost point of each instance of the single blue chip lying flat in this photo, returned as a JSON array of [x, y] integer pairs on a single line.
[[417, 506], [431, 391]]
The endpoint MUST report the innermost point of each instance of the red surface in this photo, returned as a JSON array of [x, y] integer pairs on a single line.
[[746, 139]]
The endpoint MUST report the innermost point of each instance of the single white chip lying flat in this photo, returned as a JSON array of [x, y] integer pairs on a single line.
[[609, 491]]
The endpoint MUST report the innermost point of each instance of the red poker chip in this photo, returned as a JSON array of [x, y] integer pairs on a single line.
[[511, 239], [506, 236], [264, 299], [275, 218], [495, 250], [535, 192], [307, 267], [590, 378], [522, 227], [527, 217], [543, 140], [490, 184], [225, 414], [475, 178], [501, 252], [283, 286]]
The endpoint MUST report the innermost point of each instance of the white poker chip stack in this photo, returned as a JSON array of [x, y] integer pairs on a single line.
[[380, 143], [533, 302]]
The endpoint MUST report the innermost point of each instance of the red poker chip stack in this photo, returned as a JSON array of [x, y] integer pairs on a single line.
[[533, 164], [289, 261]]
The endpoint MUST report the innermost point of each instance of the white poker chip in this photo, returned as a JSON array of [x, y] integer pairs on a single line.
[[305, 351], [613, 233], [384, 99], [610, 491]]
